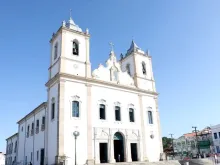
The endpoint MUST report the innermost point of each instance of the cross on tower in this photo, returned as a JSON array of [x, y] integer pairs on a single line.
[[70, 13], [112, 45]]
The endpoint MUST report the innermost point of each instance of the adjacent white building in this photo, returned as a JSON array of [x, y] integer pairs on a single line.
[[113, 108], [216, 138], [2, 158], [11, 149]]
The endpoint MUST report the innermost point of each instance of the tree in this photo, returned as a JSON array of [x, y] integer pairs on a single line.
[[167, 143]]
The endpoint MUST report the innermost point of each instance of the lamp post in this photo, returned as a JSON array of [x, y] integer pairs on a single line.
[[172, 143], [196, 131], [76, 134]]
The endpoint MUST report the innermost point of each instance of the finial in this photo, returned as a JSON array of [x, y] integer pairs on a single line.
[[122, 56], [87, 31], [70, 13], [148, 52], [112, 45]]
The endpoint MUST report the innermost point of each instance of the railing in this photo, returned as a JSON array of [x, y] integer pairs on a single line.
[[37, 130], [42, 127]]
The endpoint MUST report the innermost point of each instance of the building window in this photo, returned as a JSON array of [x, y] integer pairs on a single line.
[[26, 160], [117, 113], [53, 111], [11, 148], [144, 68], [75, 48], [22, 129], [102, 111], [15, 147], [32, 128], [43, 120], [31, 156], [219, 134], [75, 109], [37, 155], [215, 136], [38, 123], [131, 114], [55, 51], [128, 69], [28, 130], [150, 117]]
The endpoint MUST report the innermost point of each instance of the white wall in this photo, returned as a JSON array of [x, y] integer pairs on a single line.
[[33, 143], [2, 159], [216, 129], [10, 157], [52, 125], [128, 60], [55, 63], [72, 124]]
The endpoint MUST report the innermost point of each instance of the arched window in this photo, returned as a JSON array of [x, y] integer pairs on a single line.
[[53, 109], [75, 109], [150, 117], [55, 51], [102, 112], [144, 68], [75, 48], [131, 114], [128, 69], [117, 113]]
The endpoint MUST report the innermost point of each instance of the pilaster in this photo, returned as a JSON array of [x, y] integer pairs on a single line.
[[90, 160], [144, 143], [60, 120], [158, 124]]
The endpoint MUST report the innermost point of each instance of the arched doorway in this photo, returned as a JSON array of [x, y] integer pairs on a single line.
[[118, 147]]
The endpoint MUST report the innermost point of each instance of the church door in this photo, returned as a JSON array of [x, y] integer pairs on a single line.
[[118, 147], [134, 152], [103, 150]]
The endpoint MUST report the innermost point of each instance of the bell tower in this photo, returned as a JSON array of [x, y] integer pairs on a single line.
[[70, 51], [139, 65]]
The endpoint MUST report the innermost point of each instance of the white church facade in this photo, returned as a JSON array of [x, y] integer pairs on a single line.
[[114, 108]]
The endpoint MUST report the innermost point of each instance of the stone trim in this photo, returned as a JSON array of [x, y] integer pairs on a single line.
[[143, 128], [61, 29], [90, 159], [60, 119], [99, 82], [39, 108], [158, 124]]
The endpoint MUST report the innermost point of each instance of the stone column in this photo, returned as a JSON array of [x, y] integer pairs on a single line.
[[144, 143], [97, 155], [128, 155], [60, 120], [112, 157], [90, 160], [139, 150]]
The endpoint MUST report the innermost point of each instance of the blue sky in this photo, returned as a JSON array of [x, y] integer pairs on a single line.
[[183, 38]]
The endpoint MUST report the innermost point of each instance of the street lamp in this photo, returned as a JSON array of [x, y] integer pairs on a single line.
[[76, 134], [196, 131]]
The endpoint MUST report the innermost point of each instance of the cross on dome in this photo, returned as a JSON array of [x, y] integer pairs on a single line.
[[112, 46]]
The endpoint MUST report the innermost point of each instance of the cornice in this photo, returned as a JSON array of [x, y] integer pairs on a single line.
[[42, 105], [145, 78], [16, 134], [95, 81], [69, 30], [54, 63], [134, 54]]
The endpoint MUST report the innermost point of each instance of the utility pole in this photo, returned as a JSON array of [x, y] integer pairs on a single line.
[[172, 142], [195, 130]]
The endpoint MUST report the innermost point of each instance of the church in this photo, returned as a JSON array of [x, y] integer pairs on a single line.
[[107, 115]]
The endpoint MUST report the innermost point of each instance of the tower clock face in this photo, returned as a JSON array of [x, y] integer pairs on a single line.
[[75, 66]]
